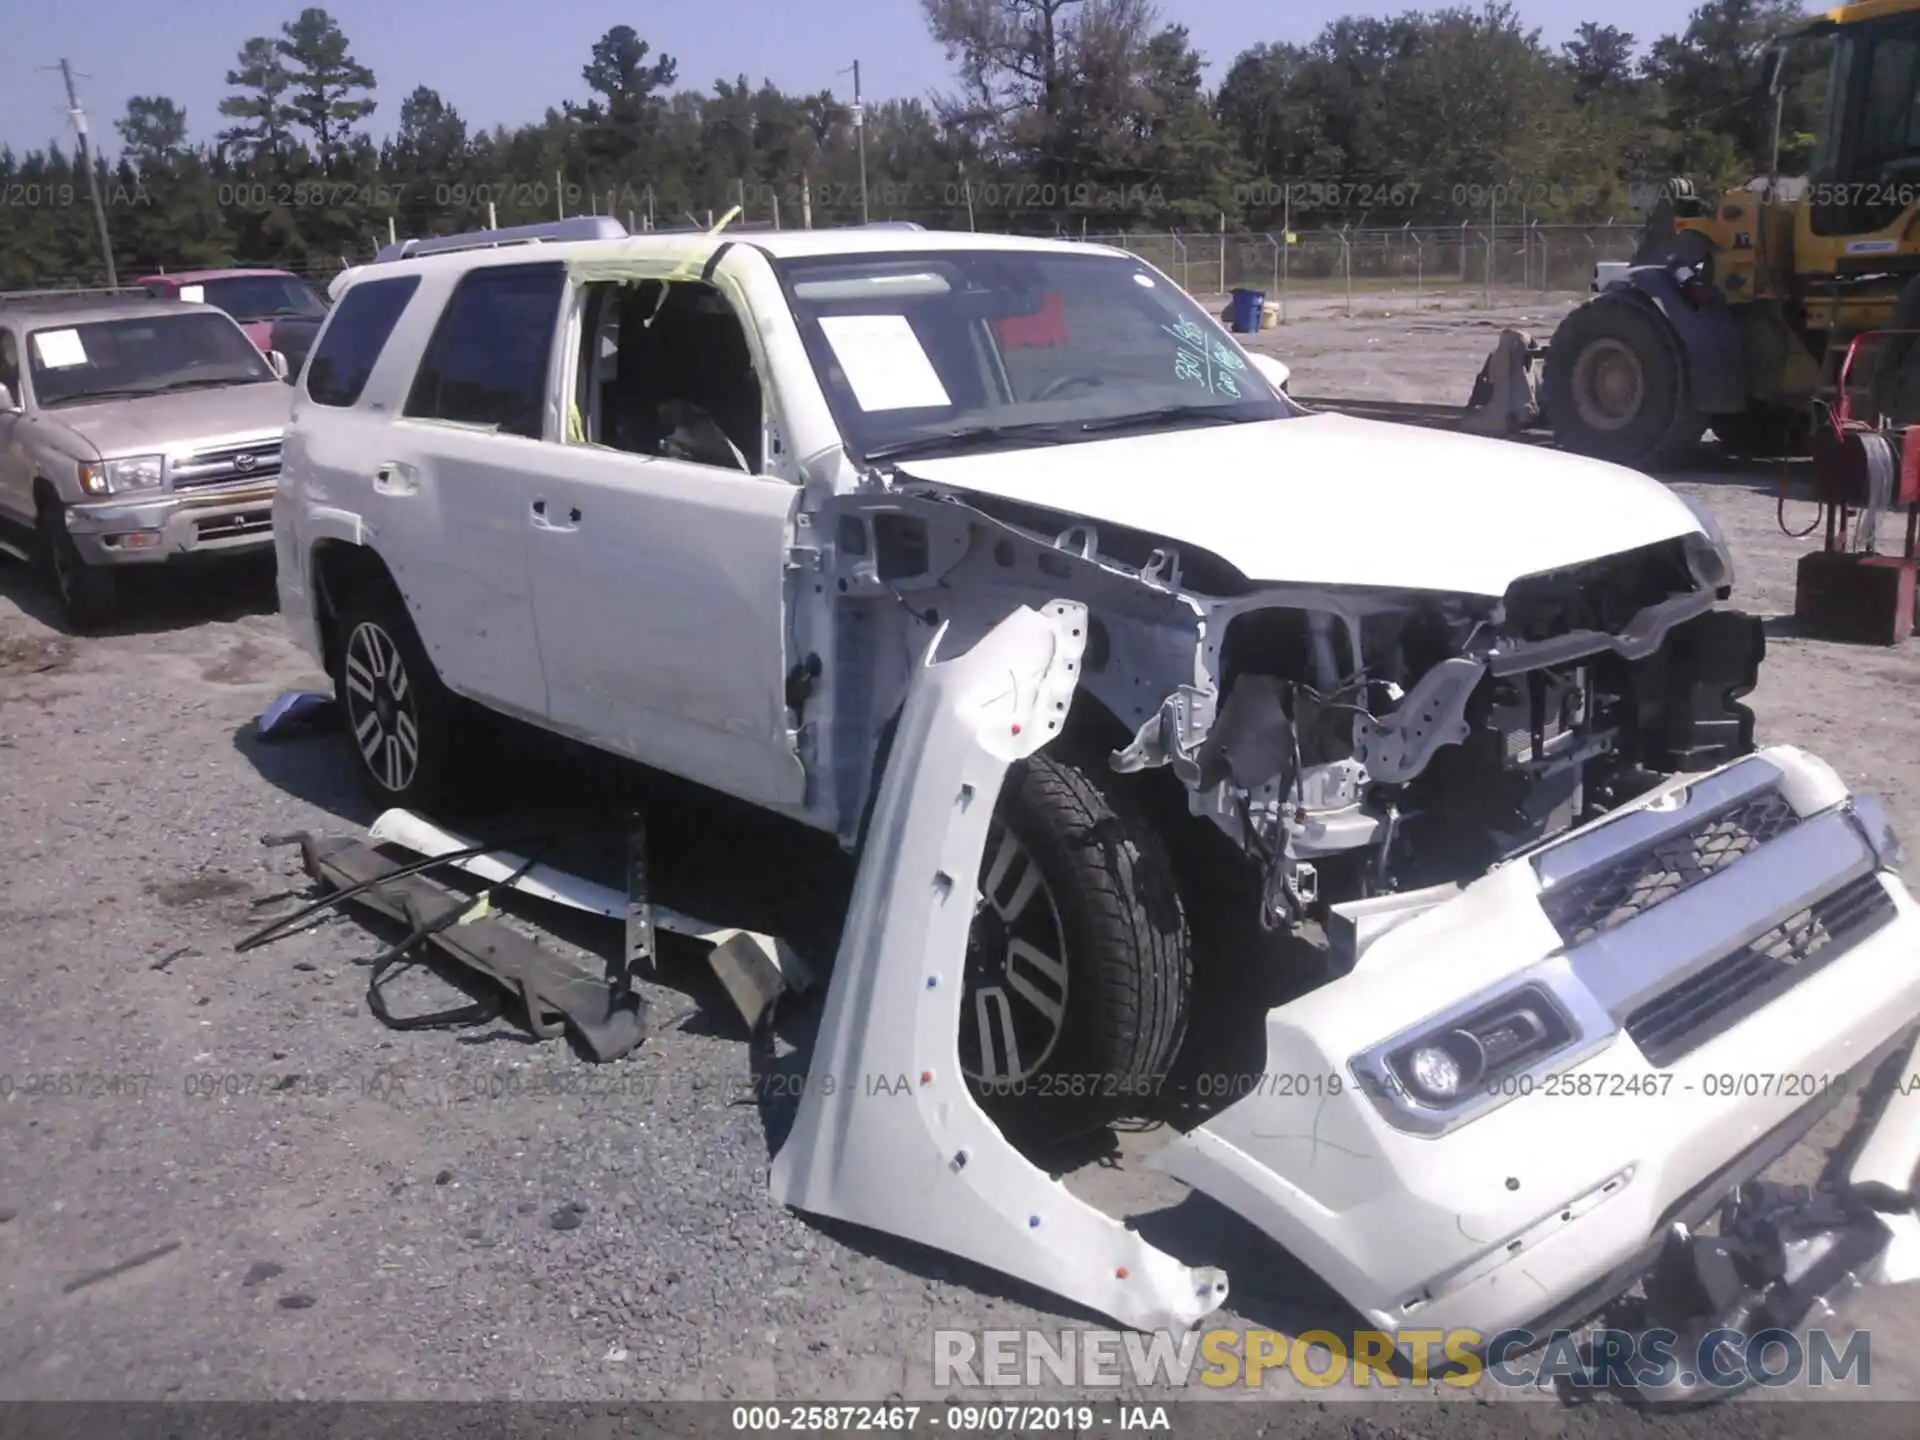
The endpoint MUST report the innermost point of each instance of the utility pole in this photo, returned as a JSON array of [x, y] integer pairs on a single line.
[[1286, 239], [860, 140], [79, 117]]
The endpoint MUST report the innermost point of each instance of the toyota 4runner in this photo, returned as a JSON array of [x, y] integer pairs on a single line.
[[1463, 714], [133, 431]]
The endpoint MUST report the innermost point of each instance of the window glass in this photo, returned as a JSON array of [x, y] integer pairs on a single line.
[[490, 355], [1040, 346], [352, 341], [265, 297], [164, 350], [1891, 100]]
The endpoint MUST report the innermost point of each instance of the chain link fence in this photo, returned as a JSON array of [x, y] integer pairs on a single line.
[[1457, 260], [1462, 262]]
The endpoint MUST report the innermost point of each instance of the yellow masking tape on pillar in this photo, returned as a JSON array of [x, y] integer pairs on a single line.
[[587, 272]]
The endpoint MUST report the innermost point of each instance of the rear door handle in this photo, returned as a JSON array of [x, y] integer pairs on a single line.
[[394, 478], [541, 522]]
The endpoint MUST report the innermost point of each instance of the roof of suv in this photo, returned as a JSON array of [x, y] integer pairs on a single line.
[[781, 244], [48, 310]]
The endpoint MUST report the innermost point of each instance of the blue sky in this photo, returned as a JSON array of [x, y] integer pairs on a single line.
[[504, 61]]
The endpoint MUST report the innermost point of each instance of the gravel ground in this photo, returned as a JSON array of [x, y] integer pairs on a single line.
[[309, 1205]]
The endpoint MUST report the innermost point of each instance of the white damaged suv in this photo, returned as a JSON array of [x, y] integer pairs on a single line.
[[1465, 715]]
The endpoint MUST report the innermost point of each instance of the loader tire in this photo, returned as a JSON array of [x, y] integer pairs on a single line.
[[1098, 934], [1615, 386]]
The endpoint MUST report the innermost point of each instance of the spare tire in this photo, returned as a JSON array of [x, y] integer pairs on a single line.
[[1616, 387]]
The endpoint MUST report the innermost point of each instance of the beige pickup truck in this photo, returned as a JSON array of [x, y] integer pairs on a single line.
[[133, 431]]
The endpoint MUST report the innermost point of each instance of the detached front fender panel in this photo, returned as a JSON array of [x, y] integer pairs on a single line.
[[887, 1135], [1709, 339]]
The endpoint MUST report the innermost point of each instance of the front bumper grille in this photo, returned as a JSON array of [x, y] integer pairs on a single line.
[[1681, 916], [227, 464], [1714, 1000], [1636, 881], [230, 527]]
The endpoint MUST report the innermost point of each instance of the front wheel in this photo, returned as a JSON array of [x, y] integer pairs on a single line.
[[1078, 974], [86, 593]]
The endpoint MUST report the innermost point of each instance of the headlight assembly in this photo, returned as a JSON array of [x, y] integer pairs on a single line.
[[118, 477], [1455, 1066], [1708, 554]]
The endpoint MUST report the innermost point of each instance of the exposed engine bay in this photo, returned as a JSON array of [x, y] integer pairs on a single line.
[[1352, 743], [1397, 743]]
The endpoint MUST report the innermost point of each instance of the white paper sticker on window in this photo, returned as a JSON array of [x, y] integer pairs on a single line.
[[193, 294], [885, 366], [60, 349]]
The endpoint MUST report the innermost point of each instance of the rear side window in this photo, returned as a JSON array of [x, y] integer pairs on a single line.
[[338, 369], [491, 353]]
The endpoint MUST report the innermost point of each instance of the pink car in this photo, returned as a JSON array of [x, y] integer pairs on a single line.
[[278, 310]]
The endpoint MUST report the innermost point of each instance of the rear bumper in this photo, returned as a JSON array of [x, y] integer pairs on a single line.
[[1549, 1193], [221, 520]]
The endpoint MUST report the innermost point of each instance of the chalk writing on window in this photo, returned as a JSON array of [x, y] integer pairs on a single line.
[[1197, 361]]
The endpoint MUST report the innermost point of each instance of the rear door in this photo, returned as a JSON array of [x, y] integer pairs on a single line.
[[448, 497]]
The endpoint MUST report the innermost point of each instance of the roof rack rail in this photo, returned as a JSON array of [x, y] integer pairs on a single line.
[[892, 225], [550, 232]]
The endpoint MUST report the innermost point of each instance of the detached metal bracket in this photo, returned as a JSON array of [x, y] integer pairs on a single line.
[[641, 956]]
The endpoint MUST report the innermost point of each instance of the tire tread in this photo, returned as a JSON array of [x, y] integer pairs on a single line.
[[1143, 970]]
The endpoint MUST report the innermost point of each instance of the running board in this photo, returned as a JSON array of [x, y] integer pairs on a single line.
[[559, 993], [753, 967]]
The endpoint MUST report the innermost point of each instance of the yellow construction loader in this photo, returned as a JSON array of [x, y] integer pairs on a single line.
[[1734, 315]]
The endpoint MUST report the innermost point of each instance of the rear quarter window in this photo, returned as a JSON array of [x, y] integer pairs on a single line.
[[356, 333]]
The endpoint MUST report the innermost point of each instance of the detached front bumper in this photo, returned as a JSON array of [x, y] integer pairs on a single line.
[[226, 520], [1733, 958]]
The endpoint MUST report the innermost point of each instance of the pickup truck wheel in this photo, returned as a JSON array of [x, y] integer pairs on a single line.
[[1078, 974], [399, 716], [86, 592]]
